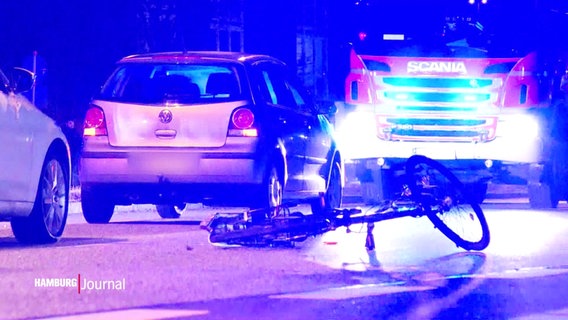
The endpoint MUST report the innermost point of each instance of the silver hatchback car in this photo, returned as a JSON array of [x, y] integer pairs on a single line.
[[218, 128]]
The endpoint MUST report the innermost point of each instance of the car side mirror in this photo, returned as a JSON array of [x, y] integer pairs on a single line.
[[326, 108], [21, 80]]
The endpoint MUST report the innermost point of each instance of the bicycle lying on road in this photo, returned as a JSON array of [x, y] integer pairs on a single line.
[[429, 189]]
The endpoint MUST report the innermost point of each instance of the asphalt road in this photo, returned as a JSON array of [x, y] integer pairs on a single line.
[[149, 268]]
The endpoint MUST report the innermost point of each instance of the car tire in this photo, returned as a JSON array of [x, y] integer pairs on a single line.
[[96, 205], [333, 196], [168, 211], [47, 220], [271, 190]]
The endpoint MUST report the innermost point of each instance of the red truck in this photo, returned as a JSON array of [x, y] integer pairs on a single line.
[[487, 100]]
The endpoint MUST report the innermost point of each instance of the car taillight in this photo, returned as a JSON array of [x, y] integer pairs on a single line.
[[242, 124], [95, 124]]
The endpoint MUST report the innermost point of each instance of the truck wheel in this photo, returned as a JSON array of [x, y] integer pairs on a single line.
[[542, 196], [548, 183], [477, 191], [378, 184], [543, 186]]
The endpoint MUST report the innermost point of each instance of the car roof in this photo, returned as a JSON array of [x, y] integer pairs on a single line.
[[198, 56]]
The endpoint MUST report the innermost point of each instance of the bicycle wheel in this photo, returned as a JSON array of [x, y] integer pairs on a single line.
[[447, 204]]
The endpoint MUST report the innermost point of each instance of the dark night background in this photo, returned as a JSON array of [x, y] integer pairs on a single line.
[[81, 40]]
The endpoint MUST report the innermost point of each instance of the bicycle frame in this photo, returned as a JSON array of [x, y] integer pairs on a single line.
[[294, 223]]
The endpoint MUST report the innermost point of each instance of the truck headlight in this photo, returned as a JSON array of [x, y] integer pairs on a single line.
[[519, 127], [358, 124], [356, 130]]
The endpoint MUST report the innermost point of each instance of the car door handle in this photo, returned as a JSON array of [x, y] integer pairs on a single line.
[[165, 133]]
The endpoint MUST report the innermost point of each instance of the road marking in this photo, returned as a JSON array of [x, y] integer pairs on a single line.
[[141, 314], [376, 289], [351, 292], [523, 273], [550, 315]]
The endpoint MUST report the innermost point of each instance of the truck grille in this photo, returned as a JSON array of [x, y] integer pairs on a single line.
[[437, 129], [435, 133], [445, 108], [471, 83], [437, 122], [442, 97]]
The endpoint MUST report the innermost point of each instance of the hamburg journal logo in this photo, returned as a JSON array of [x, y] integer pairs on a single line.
[[82, 284]]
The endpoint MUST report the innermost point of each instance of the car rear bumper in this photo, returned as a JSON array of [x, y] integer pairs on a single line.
[[235, 163], [173, 193], [162, 178], [155, 168]]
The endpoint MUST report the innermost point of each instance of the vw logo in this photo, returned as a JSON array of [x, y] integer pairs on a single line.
[[165, 116]]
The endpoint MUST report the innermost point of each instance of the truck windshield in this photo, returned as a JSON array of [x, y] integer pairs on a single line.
[[475, 28]]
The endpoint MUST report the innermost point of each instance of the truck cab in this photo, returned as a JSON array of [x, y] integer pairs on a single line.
[[483, 92]]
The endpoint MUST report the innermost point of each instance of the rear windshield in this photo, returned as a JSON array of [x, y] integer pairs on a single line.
[[178, 83]]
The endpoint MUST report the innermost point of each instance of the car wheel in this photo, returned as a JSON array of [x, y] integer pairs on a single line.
[[167, 211], [333, 194], [47, 220], [271, 191], [96, 206]]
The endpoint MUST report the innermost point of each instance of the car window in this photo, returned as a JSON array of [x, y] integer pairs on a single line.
[[4, 84], [270, 94], [299, 98], [183, 83], [275, 88]]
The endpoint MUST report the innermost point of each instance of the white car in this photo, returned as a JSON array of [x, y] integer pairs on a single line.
[[35, 162]]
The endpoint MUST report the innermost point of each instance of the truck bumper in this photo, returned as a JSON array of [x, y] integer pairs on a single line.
[[500, 149]]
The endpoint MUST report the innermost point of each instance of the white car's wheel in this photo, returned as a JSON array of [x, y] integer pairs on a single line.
[[49, 215]]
